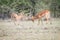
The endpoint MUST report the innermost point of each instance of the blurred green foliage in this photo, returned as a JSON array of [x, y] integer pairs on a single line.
[[33, 6]]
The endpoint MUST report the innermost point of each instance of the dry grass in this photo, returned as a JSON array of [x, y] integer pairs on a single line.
[[27, 30]]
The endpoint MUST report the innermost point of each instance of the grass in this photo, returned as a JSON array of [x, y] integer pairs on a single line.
[[27, 30]]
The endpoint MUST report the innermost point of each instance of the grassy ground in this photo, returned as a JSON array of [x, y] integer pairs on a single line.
[[27, 30]]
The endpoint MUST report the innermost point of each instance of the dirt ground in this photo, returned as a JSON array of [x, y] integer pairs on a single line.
[[27, 30]]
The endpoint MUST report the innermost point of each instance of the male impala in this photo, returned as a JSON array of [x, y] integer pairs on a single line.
[[44, 13]]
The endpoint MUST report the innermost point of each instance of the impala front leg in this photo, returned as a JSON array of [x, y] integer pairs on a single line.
[[50, 20], [39, 21], [46, 20], [33, 20]]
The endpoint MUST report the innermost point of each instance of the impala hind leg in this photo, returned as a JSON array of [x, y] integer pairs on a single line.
[[33, 20], [48, 20], [40, 21], [15, 22]]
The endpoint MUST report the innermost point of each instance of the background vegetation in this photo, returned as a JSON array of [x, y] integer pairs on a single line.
[[29, 6]]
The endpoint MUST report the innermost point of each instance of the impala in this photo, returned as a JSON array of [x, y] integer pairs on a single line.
[[40, 15], [15, 17]]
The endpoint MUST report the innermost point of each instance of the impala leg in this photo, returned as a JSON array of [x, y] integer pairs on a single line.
[[12, 19], [39, 21], [50, 20], [17, 22], [46, 20], [32, 20], [14, 22]]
